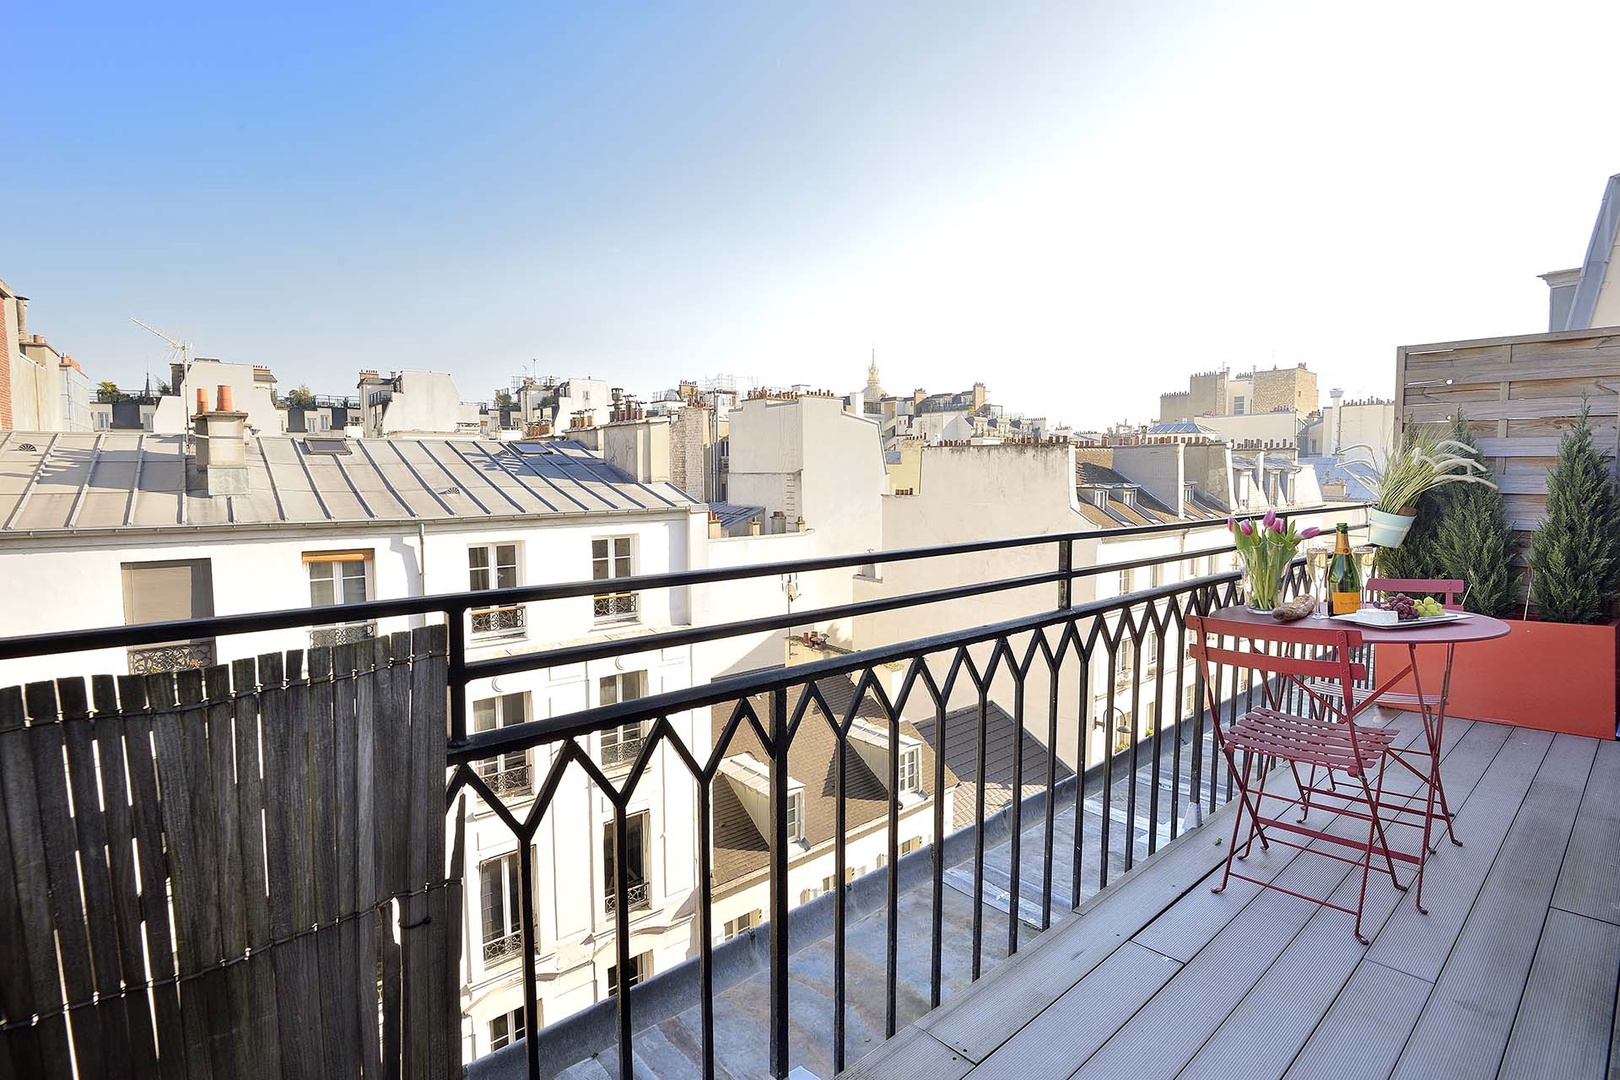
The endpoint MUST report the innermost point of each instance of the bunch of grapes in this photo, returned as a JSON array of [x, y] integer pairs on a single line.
[[1408, 609]]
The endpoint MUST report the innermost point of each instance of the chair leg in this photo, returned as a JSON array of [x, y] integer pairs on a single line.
[[1256, 764], [1237, 819], [1304, 790]]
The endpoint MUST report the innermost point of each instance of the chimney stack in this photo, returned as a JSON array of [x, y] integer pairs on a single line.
[[715, 530], [753, 526], [221, 453]]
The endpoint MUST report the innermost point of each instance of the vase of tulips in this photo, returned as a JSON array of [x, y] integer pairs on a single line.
[[1266, 546]]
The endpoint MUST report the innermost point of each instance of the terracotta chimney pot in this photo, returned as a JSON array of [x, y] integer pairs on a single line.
[[225, 403], [202, 400]]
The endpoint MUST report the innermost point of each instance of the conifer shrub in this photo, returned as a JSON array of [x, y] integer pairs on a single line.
[[1575, 551]]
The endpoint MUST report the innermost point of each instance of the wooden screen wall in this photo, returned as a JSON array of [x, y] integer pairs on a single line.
[[1519, 394], [231, 872]]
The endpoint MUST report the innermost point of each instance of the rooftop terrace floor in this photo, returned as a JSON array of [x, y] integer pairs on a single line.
[[1513, 973]]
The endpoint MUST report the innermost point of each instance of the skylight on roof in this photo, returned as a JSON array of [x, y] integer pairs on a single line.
[[327, 446], [531, 448]]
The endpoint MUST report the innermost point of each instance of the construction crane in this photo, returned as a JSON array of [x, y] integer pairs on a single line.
[[180, 348]]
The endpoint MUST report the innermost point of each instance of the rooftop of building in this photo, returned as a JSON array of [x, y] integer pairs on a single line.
[[739, 847], [79, 482]]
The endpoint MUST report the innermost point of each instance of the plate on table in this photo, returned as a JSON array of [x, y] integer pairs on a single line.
[[1362, 618]]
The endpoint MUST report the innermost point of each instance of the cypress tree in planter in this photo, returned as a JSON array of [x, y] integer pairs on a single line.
[[1575, 552], [1473, 540], [1556, 672]]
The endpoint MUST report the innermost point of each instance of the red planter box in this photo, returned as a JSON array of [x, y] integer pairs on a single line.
[[1552, 676]]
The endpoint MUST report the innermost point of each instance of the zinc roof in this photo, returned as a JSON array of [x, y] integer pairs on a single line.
[[83, 481]]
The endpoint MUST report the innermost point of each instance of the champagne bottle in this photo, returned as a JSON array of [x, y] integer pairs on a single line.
[[1343, 576]]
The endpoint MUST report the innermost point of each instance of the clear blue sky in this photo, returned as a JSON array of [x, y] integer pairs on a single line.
[[1077, 203]]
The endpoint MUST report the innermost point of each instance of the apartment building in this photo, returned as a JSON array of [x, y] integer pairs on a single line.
[[99, 530], [40, 388]]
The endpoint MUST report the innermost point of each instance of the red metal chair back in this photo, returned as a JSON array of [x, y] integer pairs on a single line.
[[1291, 661], [1451, 588]]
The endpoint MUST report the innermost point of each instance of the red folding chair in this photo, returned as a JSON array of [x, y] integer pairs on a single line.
[[1305, 660]]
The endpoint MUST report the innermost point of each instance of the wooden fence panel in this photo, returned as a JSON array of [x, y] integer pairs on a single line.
[[1520, 394], [292, 828]]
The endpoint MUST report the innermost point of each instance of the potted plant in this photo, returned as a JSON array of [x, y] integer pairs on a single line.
[[1422, 464], [1266, 546], [1555, 670]]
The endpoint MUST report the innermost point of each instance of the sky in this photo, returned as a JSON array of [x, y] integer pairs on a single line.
[[1078, 204]]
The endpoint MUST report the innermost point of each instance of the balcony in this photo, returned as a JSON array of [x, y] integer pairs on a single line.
[[1062, 909]]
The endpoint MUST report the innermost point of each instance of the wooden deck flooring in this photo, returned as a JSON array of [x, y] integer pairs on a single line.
[[1513, 973]]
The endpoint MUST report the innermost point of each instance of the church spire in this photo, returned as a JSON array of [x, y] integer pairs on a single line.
[[874, 390]]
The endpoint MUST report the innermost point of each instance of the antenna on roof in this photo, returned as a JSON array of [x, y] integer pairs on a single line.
[[181, 347]]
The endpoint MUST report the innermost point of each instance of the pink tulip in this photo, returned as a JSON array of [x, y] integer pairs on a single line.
[[1308, 532], [1270, 519], [1278, 527], [1231, 523], [1246, 527]]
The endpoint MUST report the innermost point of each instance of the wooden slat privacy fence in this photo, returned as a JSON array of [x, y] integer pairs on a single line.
[[234, 872], [1519, 395]]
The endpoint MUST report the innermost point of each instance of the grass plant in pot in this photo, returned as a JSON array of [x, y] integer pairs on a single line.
[[1556, 668], [1422, 464]]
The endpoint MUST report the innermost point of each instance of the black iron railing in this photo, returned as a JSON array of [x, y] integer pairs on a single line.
[[1051, 672]]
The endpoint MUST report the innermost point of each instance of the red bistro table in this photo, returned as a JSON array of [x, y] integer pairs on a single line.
[[1469, 627]]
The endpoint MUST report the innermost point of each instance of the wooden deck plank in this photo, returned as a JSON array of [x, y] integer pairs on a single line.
[[1464, 1028], [1361, 1036], [1562, 1028], [1418, 944], [982, 1017], [912, 1054], [1164, 1035], [1081, 1021], [1586, 884], [1293, 996]]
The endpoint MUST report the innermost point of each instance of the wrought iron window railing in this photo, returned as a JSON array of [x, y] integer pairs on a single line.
[[635, 897], [498, 950], [327, 637], [178, 656], [1093, 814], [616, 607], [500, 622]]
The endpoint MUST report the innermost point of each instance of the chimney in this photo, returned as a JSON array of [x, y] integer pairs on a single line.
[[715, 531], [221, 452], [22, 318], [778, 523], [177, 378], [753, 526], [798, 526]]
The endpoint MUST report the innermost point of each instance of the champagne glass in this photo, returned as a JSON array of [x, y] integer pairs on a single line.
[[1317, 557]]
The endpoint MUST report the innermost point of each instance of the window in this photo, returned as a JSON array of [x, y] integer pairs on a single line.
[[911, 769], [495, 566], [610, 558], [336, 578], [499, 885], [622, 744], [507, 1028], [1125, 661], [829, 882], [742, 923], [908, 846], [165, 592], [1156, 575], [635, 864], [1237, 405], [507, 774], [640, 970], [795, 816]]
